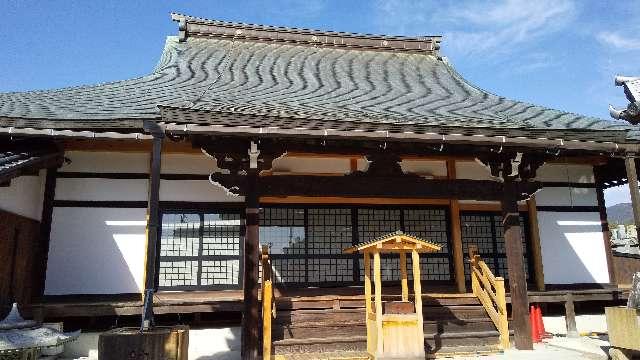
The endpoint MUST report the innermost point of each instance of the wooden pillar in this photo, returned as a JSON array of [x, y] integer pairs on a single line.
[[456, 234], [570, 316], [45, 228], [417, 290], [377, 280], [250, 316], [515, 265], [403, 276], [632, 177], [367, 301], [153, 219], [604, 223], [536, 249]]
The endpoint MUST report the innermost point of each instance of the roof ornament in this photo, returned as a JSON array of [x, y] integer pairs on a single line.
[[631, 87]]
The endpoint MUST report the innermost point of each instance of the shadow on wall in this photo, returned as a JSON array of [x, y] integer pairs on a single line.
[[572, 248], [96, 251], [214, 344]]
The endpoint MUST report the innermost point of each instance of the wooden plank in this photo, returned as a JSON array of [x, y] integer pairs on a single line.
[[534, 238], [469, 206], [503, 325], [377, 280], [456, 234], [403, 276], [134, 146], [515, 265]]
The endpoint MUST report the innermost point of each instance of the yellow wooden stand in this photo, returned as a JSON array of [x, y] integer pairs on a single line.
[[398, 332]]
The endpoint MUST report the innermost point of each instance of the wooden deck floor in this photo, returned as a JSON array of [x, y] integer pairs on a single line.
[[185, 302]]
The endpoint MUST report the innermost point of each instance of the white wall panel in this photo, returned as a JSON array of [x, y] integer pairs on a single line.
[[93, 189], [566, 173], [96, 251], [24, 196], [572, 248], [188, 164], [472, 170], [194, 190], [433, 168], [106, 162], [564, 196]]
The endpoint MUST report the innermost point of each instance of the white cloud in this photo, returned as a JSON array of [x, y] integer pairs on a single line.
[[619, 41], [474, 27]]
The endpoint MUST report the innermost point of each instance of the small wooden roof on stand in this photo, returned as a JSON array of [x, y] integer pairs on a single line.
[[395, 242]]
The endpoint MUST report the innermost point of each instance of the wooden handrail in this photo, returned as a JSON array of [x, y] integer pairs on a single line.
[[490, 291], [268, 305]]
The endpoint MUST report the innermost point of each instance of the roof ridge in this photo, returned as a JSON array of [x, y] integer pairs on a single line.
[[201, 27]]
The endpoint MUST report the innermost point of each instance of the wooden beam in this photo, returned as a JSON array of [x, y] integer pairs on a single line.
[[135, 146], [153, 219], [632, 176], [606, 234], [536, 249], [456, 234], [349, 200], [403, 276], [45, 225], [467, 206], [377, 280], [515, 265], [359, 185], [250, 316]]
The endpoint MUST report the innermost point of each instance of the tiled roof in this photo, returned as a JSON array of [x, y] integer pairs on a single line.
[[284, 73], [390, 236], [18, 157]]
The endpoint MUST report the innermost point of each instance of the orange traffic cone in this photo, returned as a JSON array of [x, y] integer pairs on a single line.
[[535, 332], [541, 329]]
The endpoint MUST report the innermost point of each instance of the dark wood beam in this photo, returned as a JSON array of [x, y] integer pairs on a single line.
[[250, 316], [373, 186], [45, 225], [153, 219], [632, 177], [515, 266]]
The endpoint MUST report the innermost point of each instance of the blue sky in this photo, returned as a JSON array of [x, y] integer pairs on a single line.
[[558, 53]]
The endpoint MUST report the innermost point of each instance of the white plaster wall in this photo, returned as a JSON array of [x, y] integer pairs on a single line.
[[96, 189], [472, 170], [566, 196], [566, 173], [188, 164], [195, 191], [106, 162], [432, 167], [24, 196], [96, 251], [572, 248]]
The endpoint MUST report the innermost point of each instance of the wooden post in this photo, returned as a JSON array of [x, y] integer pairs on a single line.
[[403, 274], [503, 326], [45, 227], [473, 263], [417, 291], [153, 219], [377, 280], [456, 234], [266, 319], [367, 301], [632, 177], [250, 316], [536, 249], [604, 224], [515, 265], [570, 316]]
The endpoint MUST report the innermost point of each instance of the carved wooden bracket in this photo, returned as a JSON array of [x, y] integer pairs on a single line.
[[513, 166]]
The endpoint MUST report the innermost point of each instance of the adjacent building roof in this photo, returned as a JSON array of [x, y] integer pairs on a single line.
[[25, 156], [394, 242], [229, 74]]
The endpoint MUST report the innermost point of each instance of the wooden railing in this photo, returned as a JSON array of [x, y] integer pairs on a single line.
[[489, 289], [268, 307]]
